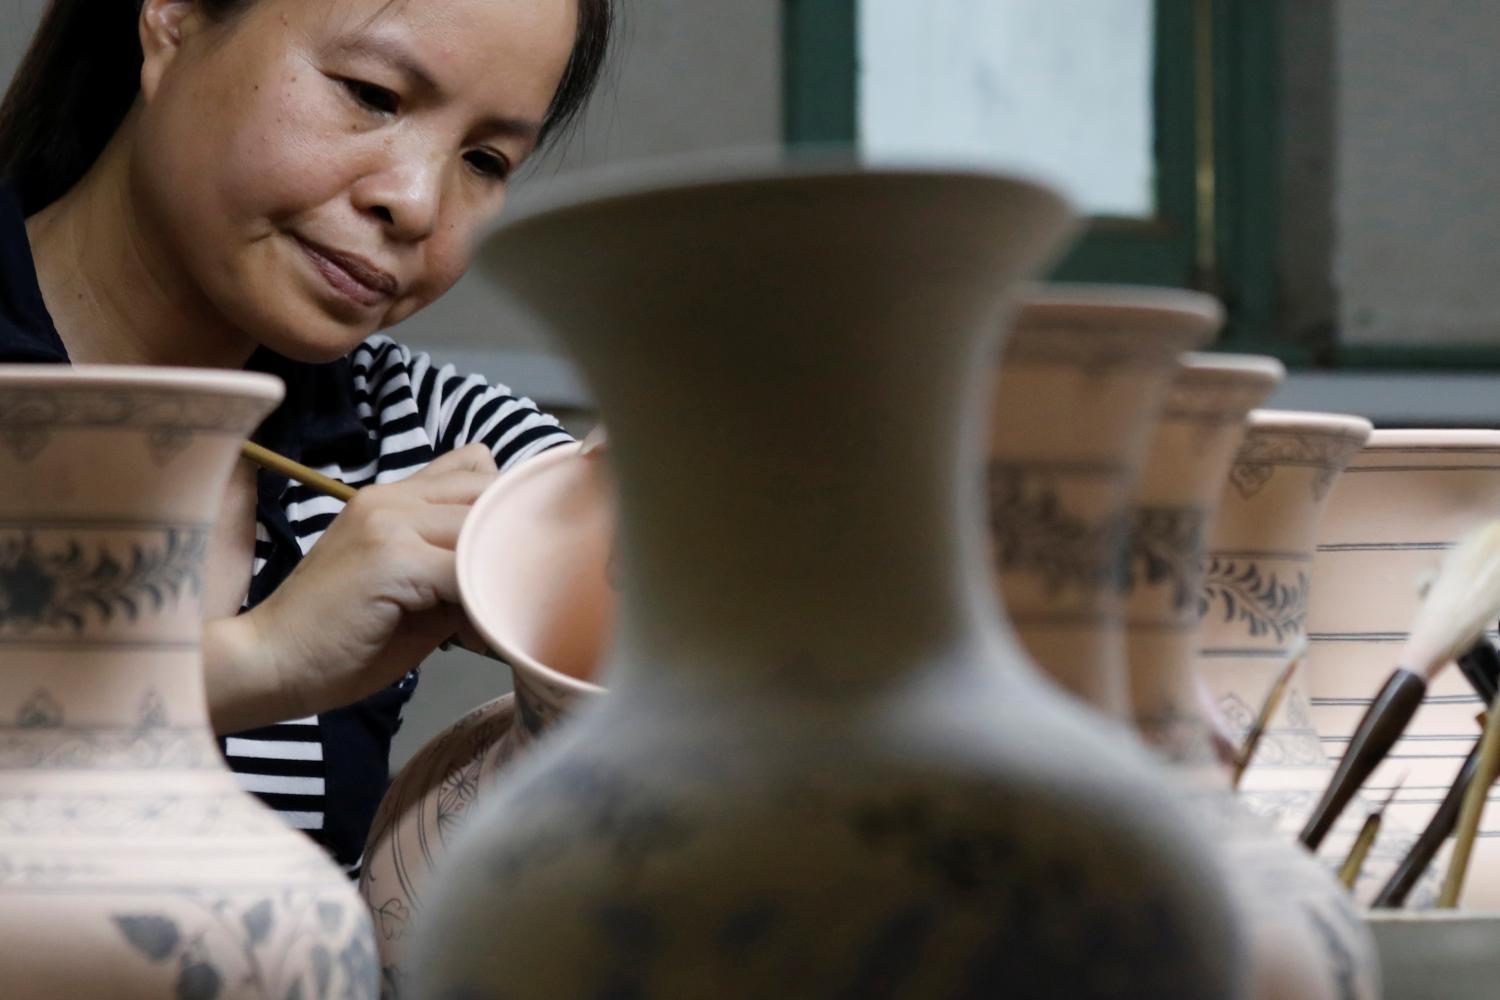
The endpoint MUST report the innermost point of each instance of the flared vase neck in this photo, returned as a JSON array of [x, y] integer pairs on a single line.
[[110, 481], [792, 370]]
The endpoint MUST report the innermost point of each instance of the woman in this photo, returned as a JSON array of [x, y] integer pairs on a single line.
[[267, 184]]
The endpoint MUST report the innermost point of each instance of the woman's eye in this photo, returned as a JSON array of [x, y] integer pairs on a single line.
[[488, 164], [373, 96]]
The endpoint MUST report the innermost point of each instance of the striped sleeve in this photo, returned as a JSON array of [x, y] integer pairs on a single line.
[[455, 410]]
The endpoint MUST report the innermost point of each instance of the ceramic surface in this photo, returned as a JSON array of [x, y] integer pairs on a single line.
[[131, 864], [535, 569], [421, 813], [1191, 447], [822, 769], [1083, 375], [1306, 936], [1255, 596], [1398, 507], [547, 606]]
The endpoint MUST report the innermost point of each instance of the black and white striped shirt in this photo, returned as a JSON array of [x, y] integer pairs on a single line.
[[397, 412]]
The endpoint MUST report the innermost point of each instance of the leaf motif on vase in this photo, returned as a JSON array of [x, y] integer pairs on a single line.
[[1267, 604], [156, 937], [1166, 550], [61, 586], [274, 948], [258, 920], [198, 980], [456, 795], [1033, 532]]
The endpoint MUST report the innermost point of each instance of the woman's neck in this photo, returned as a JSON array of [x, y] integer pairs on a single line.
[[115, 295]]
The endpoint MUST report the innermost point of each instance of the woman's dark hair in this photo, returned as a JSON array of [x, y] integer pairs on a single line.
[[82, 73]]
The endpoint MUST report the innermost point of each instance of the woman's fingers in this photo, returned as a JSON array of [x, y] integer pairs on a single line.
[[470, 458], [439, 524], [462, 486]]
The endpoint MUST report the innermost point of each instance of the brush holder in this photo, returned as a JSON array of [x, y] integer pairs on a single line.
[[1399, 506]]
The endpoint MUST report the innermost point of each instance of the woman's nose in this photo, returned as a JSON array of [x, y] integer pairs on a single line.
[[404, 197]]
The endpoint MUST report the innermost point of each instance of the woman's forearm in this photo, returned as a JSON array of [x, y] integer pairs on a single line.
[[245, 689]]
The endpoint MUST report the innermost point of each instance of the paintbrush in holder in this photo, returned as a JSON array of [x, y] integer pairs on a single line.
[[1481, 667], [1451, 620]]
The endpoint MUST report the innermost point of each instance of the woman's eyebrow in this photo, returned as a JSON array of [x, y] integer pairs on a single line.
[[396, 55]]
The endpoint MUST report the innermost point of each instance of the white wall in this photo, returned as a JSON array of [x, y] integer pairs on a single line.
[[1057, 88]]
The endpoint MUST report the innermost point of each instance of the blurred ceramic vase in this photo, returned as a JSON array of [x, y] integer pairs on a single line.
[[822, 768], [552, 609], [1255, 595], [132, 865], [1083, 375], [1307, 940], [1401, 503]]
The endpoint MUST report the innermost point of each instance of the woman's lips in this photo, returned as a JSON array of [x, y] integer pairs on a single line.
[[352, 277]]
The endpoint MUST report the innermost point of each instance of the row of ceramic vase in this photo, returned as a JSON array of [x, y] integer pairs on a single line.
[[823, 569]]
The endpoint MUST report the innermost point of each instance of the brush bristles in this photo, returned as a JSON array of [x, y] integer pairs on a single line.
[[1459, 605]]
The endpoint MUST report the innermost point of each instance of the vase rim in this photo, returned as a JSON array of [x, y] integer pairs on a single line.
[[1396, 439], [698, 173], [1346, 425], [252, 385], [471, 566], [1260, 369], [1108, 308]]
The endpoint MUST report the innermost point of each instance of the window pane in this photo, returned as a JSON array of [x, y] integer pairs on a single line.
[[1056, 88]]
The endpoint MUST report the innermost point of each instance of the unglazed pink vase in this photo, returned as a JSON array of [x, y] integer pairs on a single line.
[[1083, 375], [823, 767], [1307, 939], [1398, 507], [132, 866], [553, 607], [1255, 595]]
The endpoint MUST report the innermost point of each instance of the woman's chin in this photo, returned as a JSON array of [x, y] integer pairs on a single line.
[[312, 337]]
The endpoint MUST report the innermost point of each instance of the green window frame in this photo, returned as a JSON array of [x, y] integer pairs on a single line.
[[1216, 178]]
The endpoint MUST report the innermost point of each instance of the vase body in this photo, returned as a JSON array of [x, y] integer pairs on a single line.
[[134, 866], [552, 607], [1399, 506], [1306, 938], [1082, 377], [1256, 586], [821, 768]]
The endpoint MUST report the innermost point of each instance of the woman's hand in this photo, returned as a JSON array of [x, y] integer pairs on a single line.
[[376, 594]]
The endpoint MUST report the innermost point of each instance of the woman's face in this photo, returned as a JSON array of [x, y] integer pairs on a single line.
[[318, 169]]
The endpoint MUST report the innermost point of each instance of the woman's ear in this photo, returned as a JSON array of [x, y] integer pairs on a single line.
[[164, 26]]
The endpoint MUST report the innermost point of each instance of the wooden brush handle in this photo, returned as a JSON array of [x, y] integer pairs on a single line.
[[1424, 849], [1480, 666], [1378, 731]]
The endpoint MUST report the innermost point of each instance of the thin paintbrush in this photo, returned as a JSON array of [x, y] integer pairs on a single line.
[[1475, 798], [313, 479], [1267, 711], [1462, 600], [1481, 667], [1349, 873]]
